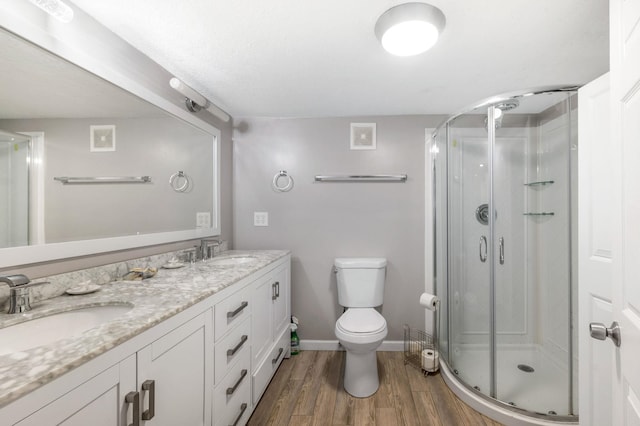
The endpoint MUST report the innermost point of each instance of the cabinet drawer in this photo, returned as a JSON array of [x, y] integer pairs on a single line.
[[232, 392], [231, 312], [264, 372], [232, 348]]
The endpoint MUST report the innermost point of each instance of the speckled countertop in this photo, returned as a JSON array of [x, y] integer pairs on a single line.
[[154, 300]]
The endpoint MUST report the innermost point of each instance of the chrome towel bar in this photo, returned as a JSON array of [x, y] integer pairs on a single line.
[[361, 178], [103, 179]]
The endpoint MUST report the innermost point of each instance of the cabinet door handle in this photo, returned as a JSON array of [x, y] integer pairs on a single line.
[[232, 314], [501, 245], [232, 352], [134, 398], [232, 389], [273, 292], [275, 360], [277, 289], [243, 407], [150, 385]]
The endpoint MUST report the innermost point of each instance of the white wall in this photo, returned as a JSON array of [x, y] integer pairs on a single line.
[[321, 221]]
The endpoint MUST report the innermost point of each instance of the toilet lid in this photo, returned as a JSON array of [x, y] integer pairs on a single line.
[[361, 320]]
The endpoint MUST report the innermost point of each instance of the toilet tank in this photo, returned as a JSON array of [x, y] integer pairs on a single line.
[[360, 281]]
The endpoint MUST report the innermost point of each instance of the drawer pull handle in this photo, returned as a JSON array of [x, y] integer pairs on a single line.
[[243, 407], [134, 398], [275, 360], [231, 390], [232, 352], [150, 385], [237, 311]]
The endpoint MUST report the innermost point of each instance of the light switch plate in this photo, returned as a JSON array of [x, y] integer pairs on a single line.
[[260, 218], [203, 220]]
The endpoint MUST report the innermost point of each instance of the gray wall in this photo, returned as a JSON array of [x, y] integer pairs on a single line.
[[157, 147], [321, 221]]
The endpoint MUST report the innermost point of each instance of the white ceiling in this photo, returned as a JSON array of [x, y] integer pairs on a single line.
[[295, 58]]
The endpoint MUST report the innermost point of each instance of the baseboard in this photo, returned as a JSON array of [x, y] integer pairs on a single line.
[[334, 345]]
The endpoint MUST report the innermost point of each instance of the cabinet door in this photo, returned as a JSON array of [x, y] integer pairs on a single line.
[[281, 310], [100, 401], [181, 372], [263, 295]]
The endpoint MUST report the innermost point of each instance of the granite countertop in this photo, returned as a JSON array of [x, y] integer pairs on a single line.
[[154, 300]]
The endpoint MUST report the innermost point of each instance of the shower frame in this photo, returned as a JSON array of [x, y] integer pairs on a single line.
[[489, 404]]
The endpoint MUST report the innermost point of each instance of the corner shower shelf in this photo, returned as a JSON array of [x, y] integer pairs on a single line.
[[540, 183], [539, 214]]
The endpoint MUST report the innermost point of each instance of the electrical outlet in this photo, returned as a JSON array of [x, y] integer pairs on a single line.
[[203, 220], [260, 218]]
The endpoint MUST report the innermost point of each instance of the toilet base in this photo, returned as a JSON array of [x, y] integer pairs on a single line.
[[361, 374]]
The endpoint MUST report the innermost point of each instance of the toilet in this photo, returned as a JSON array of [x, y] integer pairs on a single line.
[[361, 328]]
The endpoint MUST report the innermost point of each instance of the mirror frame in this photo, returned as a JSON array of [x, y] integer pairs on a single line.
[[86, 43]]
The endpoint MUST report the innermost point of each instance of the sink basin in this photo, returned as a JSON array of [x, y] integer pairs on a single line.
[[57, 326], [234, 260]]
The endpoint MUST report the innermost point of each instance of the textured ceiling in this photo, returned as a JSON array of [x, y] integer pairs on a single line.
[[292, 58]]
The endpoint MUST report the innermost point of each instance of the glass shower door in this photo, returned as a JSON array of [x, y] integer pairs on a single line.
[[531, 264], [469, 251]]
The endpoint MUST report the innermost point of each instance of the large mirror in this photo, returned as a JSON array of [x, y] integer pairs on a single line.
[[146, 176]]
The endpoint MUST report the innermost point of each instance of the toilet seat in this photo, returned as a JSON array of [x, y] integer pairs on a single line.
[[361, 320], [361, 325]]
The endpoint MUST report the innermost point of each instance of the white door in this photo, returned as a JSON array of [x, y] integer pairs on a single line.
[[595, 250], [625, 139]]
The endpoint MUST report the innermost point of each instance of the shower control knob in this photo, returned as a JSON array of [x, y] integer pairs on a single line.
[[601, 332]]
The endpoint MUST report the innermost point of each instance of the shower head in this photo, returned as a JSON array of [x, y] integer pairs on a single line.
[[507, 105], [502, 106]]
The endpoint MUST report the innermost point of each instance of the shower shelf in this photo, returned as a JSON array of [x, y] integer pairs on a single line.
[[539, 214], [540, 183]]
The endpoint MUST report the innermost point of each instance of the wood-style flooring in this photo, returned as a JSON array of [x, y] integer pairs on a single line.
[[307, 390]]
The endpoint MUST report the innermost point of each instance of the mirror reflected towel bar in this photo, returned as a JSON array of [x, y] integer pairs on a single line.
[[361, 178], [103, 179]]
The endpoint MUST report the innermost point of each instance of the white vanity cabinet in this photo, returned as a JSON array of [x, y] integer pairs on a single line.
[[270, 326], [173, 376], [165, 378], [198, 367], [97, 402]]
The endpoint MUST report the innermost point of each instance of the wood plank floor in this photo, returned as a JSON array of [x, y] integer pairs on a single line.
[[307, 390]]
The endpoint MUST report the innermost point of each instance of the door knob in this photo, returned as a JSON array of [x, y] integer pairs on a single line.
[[600, 332]]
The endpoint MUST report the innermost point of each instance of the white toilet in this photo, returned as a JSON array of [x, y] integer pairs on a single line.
[[361, 328]]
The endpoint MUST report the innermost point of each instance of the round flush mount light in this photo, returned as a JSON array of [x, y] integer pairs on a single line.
[[410, 28]]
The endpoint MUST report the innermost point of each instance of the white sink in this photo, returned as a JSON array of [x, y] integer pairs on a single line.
[[233, 260], [57, 326]]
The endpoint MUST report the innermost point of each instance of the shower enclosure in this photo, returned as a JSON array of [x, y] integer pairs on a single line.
[[503, 179], [14, 189]]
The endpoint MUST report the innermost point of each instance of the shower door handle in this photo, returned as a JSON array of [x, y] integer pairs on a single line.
[[483, 249], [501, 245]]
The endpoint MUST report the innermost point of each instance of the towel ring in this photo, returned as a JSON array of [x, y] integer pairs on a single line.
[[177, 178], [288, 182]]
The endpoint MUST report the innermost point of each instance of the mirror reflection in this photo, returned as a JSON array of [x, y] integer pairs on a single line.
[[57, 120]]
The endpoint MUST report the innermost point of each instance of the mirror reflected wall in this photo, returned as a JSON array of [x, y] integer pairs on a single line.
[[59, 120]]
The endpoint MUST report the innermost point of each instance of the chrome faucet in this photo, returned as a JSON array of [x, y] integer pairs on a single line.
[[19, 295], [207, 248]]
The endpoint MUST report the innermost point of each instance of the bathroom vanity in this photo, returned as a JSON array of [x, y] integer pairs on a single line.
[[195, 345]]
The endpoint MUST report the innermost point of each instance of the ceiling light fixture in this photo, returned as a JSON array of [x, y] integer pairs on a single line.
[[55, 8], [195, 101], [410, 28]]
